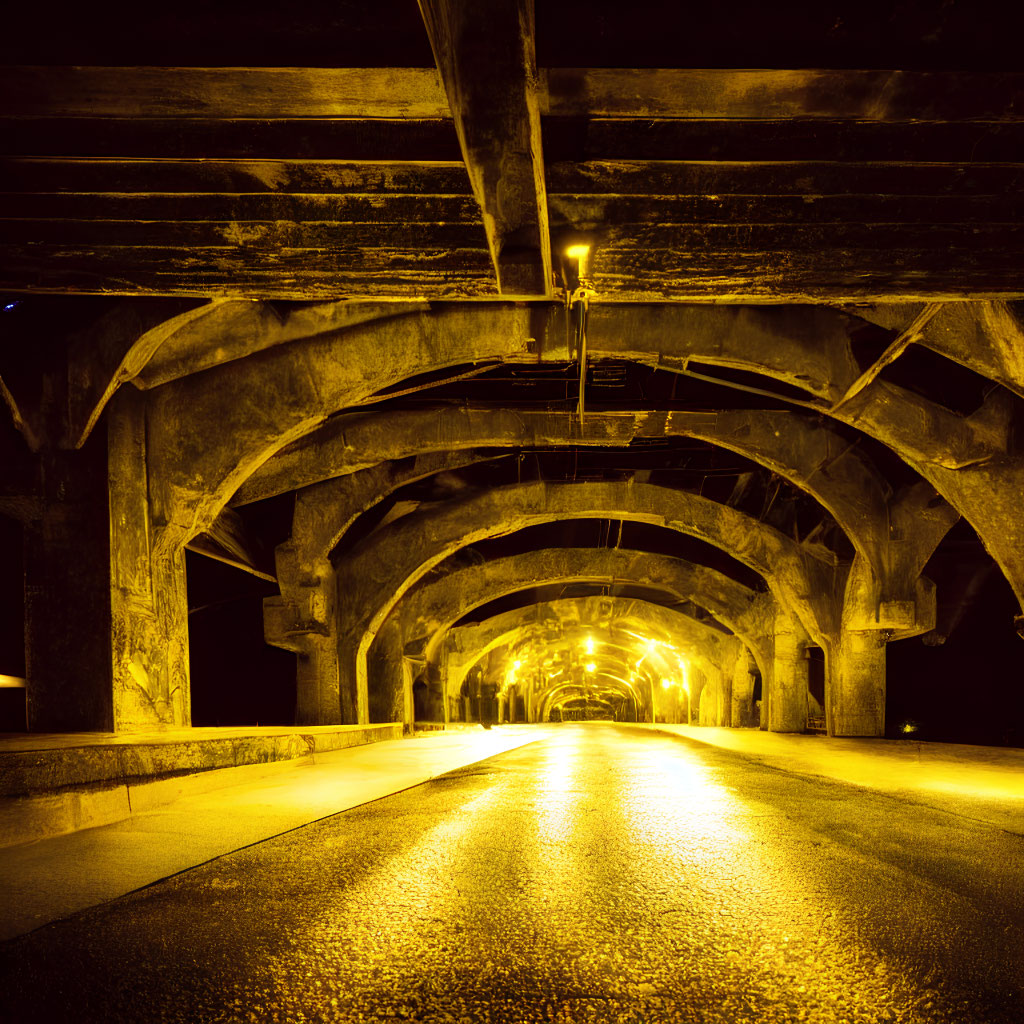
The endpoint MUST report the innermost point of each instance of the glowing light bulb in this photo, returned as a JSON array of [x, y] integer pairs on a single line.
[[577, 252], [666, 683], [590, 645], [590, 666], [517, 664]]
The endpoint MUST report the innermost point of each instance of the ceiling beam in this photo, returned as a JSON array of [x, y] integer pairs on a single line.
[[485, 55]]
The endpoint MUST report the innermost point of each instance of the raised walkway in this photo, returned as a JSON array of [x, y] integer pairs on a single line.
[[983, 783], [53, 877]]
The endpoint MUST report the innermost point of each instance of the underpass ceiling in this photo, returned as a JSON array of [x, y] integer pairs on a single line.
[[344, 178], [623, 591], [234, 153]]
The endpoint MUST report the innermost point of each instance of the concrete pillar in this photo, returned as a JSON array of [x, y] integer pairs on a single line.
[[318, 699], [855, 684], [787, 706], [385, 675], [148, 594], [698, 681], [723, 712], [106, 608], [301, 620], [66, 556], [353, 686], [743, 711], [408, 704]]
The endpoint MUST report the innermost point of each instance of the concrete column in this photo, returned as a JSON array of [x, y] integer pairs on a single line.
[[448, 670], [148, 594], [318, 700], [743, 714], [303, 620], [67, 595], [855, 684], [408, 704], [698, 681], [724, 709], [353, 689], [106, 608], [385, 679], [787, 706]]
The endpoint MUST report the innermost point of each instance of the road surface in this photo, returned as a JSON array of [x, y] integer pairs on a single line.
[[602, 874]]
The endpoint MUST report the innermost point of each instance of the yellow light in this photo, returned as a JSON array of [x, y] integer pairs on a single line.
[[666, 683], [577, 252], [590, 666], [590, 645], [516, 665], [652, 646]]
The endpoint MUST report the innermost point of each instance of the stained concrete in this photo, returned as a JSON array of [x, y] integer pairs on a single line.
[[53, 877]]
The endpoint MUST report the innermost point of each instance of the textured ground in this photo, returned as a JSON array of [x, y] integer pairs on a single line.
[[601, 875]]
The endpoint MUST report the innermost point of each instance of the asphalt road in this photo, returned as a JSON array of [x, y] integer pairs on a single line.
[[602, 875]]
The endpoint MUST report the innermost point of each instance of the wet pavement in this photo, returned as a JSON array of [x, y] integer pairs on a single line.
[[594, 875]]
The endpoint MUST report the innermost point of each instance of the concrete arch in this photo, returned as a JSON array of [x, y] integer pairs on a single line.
[[285, 390], [432, 607], [807, 452], [467, 645], [262, 402], [811, 455], [757, 631], [265, 401], [379, 572]]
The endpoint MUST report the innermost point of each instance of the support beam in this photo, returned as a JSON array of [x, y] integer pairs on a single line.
[[485, 55]]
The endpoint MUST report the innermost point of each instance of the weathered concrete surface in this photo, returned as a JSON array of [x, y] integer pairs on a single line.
[[787, 692], [61, 786], [148, 598], [987, 337], [170, 472], [435, 603], [302, 619], [55, 877], [374, 576], [67, 629], [264, 401]]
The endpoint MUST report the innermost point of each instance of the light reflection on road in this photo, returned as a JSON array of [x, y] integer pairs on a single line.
[[597, 875]]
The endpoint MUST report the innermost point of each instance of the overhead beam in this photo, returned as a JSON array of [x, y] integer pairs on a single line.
[[894, 350], [486, 52], [727, 93], [43, 91], [485, 55]]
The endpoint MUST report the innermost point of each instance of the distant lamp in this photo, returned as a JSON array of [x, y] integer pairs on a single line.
[[666, 683], [590, 666]]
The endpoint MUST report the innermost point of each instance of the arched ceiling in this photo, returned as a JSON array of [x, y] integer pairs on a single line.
[[800, 312]]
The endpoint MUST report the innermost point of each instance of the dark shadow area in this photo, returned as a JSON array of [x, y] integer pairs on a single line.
[[967, 689], [12, 625], [237, 679]]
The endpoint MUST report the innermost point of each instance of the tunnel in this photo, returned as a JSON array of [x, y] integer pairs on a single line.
[[385, 380]]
